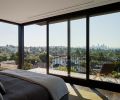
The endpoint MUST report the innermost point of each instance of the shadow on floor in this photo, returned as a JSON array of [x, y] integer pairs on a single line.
[[78, 97], [86, 93], [99, 94]]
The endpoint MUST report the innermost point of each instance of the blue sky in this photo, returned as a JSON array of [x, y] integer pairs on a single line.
[[8, 34], [104, 29]]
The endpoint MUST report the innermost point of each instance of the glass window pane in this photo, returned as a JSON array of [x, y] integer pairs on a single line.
[[35, 47], [105, 48], [78, 48], [8, 46], [58, 48]]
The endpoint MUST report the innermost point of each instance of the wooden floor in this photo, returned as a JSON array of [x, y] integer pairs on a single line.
[[85, 93], [77, 92]]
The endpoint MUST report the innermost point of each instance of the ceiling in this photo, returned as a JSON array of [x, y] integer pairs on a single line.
[[21, 11]]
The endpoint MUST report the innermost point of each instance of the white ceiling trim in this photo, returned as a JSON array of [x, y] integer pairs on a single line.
[[84, 4]]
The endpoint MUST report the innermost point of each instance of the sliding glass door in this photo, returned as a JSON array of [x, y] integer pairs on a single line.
[[58, 48], [35, 47], [105, 48], [78, 48]]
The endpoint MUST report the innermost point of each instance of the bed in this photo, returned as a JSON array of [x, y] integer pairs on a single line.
[[25, 85]]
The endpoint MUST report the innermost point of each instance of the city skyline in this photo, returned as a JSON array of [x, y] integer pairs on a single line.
[[97, 46]]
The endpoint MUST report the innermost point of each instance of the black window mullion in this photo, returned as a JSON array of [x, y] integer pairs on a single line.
[[47, 30], [87, 47], [68, 53], [20, 46]]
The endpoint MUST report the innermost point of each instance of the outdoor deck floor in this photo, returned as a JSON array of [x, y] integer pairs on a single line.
[[77, 75]]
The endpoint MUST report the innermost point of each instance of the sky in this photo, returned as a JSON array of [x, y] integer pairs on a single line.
[[104, 29]]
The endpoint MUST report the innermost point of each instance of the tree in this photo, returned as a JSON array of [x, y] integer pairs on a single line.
[[14, 56], [3, 58], [77, 53], [43, 57], [101, 56], [31, 59]]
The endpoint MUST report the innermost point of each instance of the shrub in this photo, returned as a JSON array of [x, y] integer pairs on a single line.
[[27, 66], [115, 74]]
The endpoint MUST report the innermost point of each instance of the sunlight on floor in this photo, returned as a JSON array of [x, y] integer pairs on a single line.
[[89, 95], [80, 94]]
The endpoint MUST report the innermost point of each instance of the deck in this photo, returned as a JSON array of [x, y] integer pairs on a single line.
[[76, 75]]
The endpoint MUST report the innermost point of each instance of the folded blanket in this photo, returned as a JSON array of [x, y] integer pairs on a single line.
[[55, 85]]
